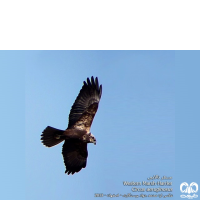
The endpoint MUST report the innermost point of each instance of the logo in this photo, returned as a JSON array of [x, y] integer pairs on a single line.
[[192, 188]]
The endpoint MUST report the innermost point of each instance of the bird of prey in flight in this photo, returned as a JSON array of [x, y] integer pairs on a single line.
[[78, 134]]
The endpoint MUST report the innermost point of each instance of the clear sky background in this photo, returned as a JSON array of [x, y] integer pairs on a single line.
[[134, 125]]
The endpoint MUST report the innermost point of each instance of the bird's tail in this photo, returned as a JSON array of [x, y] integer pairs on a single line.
[[52, 136]]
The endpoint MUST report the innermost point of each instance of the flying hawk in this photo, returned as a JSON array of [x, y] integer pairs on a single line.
[[78, 134]]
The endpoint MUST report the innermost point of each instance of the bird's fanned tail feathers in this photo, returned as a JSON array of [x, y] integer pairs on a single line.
[[52, 136]]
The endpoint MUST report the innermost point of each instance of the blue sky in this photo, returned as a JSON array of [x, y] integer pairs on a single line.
[[134, 125]]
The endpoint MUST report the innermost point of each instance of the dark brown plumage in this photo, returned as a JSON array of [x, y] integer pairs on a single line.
[[77, 135]]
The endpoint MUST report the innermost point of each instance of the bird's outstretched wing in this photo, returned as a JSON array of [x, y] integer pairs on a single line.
[[75, 155], [85, 105]]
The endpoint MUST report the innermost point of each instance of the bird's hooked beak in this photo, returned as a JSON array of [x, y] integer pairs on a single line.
[[92, 138], [94, 141]]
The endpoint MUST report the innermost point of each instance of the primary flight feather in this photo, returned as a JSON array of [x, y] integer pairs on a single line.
[[78, 134]]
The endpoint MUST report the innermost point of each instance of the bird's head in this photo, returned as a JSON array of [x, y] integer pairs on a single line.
[[89, 138]]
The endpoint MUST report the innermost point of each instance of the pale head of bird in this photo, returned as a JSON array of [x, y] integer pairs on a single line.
[[89, 138]]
